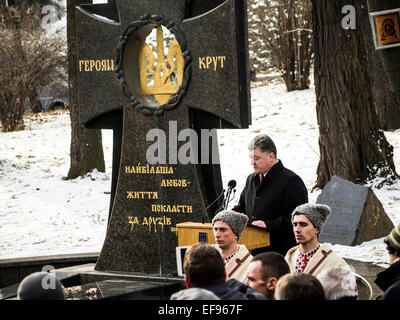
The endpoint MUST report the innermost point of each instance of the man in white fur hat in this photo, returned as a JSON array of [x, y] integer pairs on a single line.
[[310, 256], [228, 227]]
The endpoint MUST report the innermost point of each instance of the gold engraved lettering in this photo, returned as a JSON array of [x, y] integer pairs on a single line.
[[132, 223], [151, 222], [147, 169], [167, 208], [202, 65], [141, 194], [96, 65], [208, 61], [212, 62], [174, 183], [215, 61], [111, 64], [222, 58]]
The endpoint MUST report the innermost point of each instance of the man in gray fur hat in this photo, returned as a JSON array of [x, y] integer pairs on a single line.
[[310, 256], [228, 227]]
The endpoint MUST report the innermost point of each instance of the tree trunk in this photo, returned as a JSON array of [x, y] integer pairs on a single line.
[[386, 105], [351, 144], [86, 151], [298, 47], [390, 57]]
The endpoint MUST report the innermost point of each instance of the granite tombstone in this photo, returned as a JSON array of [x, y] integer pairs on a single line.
[[165, 158], [357, 214]]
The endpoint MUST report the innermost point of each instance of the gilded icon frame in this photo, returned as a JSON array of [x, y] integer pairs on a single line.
[[392, 28]]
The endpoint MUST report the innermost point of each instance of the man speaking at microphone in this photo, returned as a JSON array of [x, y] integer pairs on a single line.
[[270, 195]]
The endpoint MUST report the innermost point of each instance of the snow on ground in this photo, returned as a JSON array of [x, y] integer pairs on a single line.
[[40, 212], [43, 214]]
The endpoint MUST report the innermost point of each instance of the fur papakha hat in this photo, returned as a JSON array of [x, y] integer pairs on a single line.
[[236, 220], [394, 238], [316, 213]]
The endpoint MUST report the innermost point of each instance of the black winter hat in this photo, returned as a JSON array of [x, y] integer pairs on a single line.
[[394, 238]]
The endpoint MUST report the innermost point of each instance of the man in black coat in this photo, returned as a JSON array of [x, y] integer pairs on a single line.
[[270, 195]]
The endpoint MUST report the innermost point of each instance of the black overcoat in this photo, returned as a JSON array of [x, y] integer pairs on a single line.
[[273, 202]]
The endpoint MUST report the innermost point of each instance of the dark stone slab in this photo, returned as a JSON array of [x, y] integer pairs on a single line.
[[357, 214], [130, 290], [148, 199], [14, 270], [136, 286], [111, 286]]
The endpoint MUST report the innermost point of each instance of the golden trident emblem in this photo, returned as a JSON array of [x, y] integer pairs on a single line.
[[163, 87]]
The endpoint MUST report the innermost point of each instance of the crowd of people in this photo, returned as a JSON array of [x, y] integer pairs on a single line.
[[228, 271], [295, 266], [309, 271]]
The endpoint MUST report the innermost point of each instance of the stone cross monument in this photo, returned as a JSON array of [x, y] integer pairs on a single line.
[[163, 74]]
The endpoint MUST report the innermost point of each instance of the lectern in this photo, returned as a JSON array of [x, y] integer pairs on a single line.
[[190, 233]]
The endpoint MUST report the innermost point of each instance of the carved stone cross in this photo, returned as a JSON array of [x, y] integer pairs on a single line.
[[165, 168]]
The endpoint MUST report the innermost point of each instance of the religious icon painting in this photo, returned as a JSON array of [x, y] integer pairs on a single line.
[[386, 28]]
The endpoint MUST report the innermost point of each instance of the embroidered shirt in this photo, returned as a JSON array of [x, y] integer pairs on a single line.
[[303, 259], [226, 260]]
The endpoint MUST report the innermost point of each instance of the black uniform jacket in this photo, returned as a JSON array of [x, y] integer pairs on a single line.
[[273, 202]]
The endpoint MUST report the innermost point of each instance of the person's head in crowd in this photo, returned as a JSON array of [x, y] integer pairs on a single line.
[[299, 286], [233, 224], [262, 153], [228, 226], [308, 220], [194, 294], [392, 242], [203, 266], [264, 272], [40, 286], [339, 284]]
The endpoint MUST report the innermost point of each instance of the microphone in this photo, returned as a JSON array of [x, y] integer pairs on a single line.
[[231, 184]]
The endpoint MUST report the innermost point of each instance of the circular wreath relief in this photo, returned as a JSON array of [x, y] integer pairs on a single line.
[[179, 36]]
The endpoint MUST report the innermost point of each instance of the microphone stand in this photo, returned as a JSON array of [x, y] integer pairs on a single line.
[[228, 197], [202, 214]]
